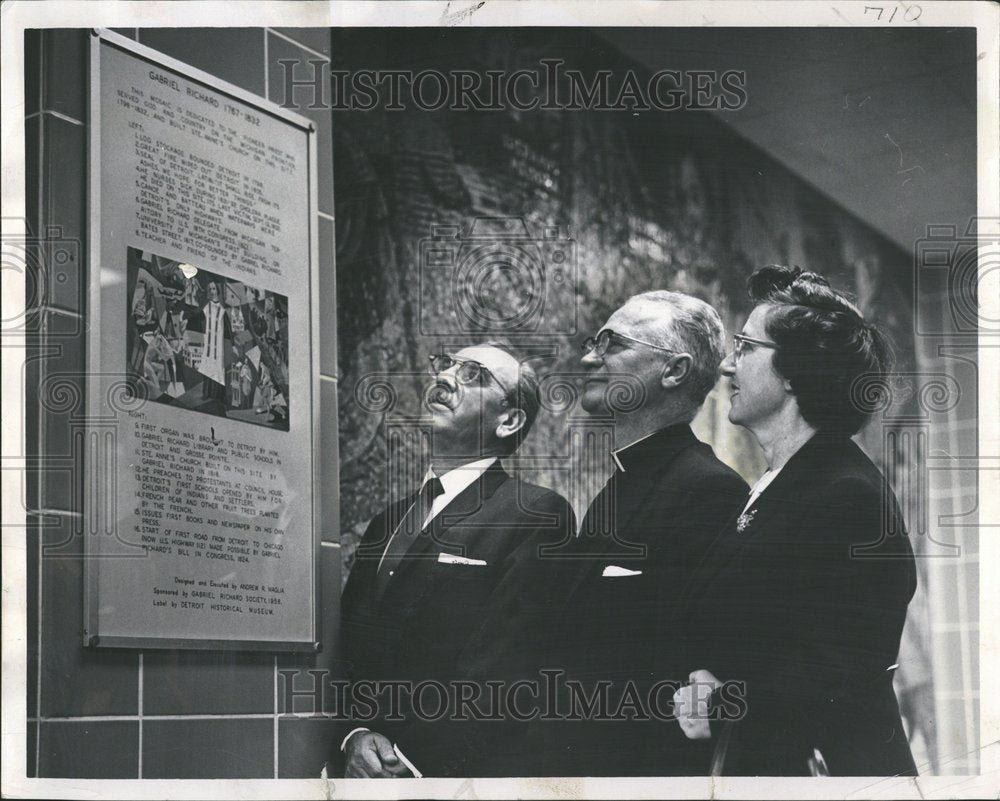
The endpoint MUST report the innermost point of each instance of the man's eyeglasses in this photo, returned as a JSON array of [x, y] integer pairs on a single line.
[[740, 342], [599, 345], [468, 371]]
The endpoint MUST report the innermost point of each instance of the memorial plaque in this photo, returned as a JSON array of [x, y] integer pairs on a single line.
[[202, 362]]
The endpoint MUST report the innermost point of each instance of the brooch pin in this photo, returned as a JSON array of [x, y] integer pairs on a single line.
[[744, 520]]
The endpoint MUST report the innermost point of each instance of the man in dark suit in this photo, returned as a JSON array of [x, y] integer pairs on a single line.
[[433, 569], [648, 371]]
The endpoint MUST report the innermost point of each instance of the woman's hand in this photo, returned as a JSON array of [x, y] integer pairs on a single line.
[[691, 704]]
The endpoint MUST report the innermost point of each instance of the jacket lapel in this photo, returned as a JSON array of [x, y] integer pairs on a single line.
[[626, 492], [788, 487], [380, 531], [435, 538], [642, 466], [795, 481]]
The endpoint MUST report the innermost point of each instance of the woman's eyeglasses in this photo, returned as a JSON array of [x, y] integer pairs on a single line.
[[740, 342], [599, 345]]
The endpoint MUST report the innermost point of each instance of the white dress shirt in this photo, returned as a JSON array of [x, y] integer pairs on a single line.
[[453, 483]]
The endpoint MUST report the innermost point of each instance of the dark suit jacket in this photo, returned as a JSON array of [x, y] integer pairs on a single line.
[[434, 620], [656, 517], [806, 605]]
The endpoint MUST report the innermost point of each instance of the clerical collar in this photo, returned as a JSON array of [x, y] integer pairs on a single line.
[[654, 444]]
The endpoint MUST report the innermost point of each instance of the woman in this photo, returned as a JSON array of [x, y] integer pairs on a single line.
[[800, 605]]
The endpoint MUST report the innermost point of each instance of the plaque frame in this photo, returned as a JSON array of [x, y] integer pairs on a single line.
[[104, 511]]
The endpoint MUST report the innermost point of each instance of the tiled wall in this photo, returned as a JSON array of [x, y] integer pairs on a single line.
[[149, 714], [954, 519]]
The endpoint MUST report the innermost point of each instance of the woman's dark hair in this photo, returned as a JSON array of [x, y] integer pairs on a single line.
[[824, 345]]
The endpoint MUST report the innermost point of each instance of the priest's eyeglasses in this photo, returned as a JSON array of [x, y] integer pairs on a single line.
[[599, 345]]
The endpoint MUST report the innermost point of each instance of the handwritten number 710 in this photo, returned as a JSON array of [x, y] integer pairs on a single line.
[[911, 14]]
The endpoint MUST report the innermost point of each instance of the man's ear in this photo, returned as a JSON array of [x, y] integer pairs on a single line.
[[677, 370], [512, 421]]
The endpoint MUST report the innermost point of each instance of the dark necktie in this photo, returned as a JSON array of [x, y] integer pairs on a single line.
[[407, 531]]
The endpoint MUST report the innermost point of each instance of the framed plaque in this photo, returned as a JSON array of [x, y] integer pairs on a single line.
[[202, 362]]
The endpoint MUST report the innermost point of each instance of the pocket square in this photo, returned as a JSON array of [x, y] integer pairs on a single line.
[[452, 559], [614, 570]]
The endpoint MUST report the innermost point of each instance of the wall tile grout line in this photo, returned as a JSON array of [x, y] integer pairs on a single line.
[[274, 664], [267, 71], [157, 718], [38, 667], [959, 695], [50, 309], [56, 513], [43, 340], [39, 189], [41, 71], [139, 707], [37, 434], [33, 437], [954, 626], [64, 117], [275, 735], [298, 44]]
